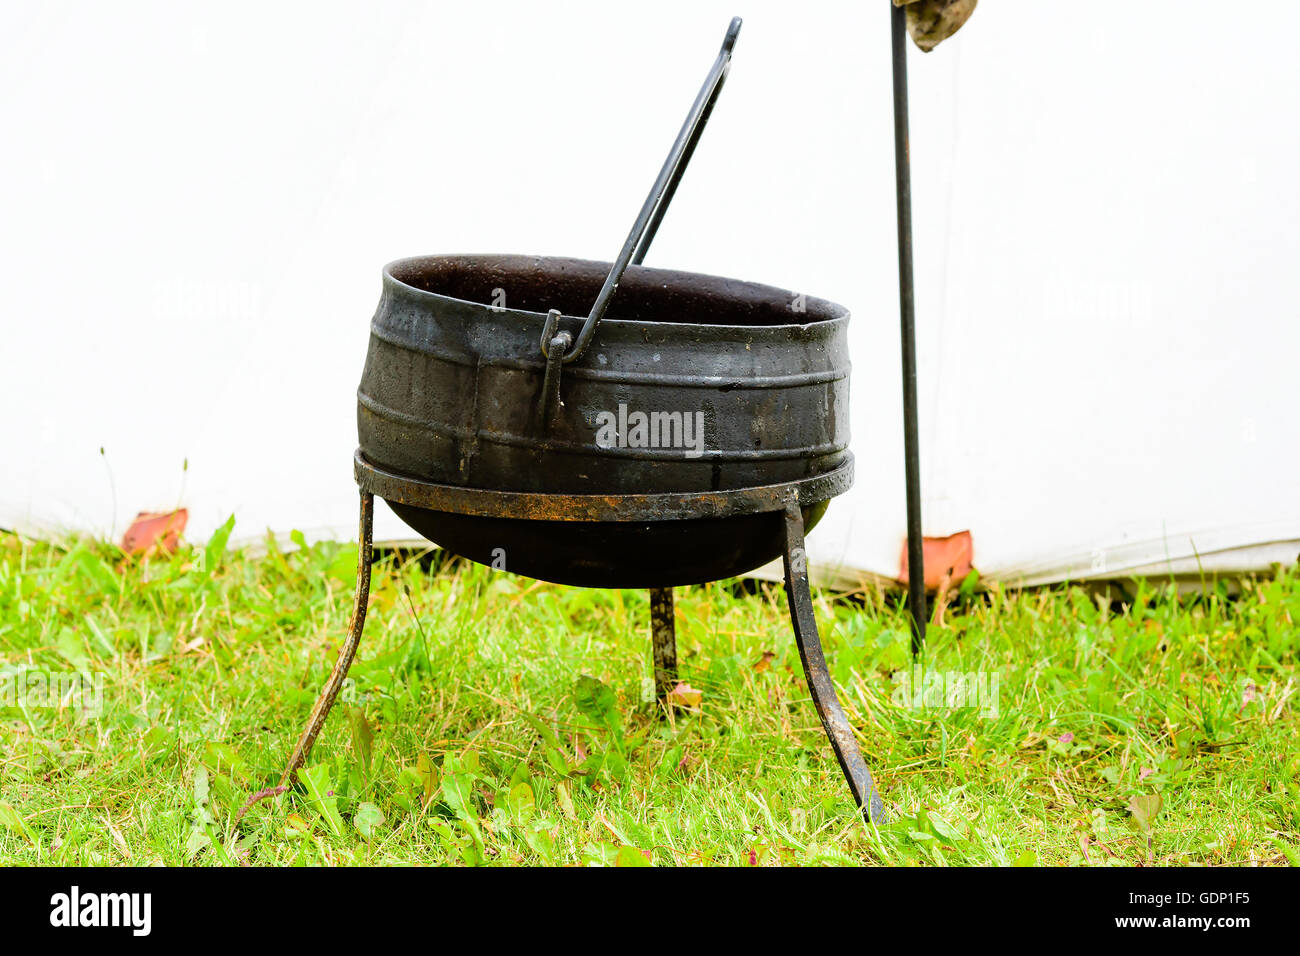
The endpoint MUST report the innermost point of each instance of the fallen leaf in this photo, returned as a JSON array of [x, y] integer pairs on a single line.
[[684, 695], [155, 531]]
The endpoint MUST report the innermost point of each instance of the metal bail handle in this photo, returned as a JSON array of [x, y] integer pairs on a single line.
[[661, 194], [553, 345]]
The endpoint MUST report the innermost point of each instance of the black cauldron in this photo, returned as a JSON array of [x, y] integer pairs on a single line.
[[691, 428], [691, 383]]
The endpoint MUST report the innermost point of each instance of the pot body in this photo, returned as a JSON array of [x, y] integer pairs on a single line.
[[452, 384], [691, 383]]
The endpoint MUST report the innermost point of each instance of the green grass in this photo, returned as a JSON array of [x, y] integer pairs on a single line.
[[495, 719]]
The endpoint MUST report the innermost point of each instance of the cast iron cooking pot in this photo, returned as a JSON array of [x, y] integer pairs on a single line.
[[689, 383], [690, 428]]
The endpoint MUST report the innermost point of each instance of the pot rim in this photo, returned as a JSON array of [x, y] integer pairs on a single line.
[[841, 314]]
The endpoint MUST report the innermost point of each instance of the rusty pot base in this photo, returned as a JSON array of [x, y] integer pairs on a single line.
[[608, 541], [610, 554]]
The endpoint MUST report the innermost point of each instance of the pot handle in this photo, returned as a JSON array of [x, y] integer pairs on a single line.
[[652, 212]]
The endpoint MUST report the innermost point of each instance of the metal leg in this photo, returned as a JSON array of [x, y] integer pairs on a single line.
[[828, 706], [663, 638], [331, 691]]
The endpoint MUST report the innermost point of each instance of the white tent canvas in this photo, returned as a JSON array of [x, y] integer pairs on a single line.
[[197, 203]]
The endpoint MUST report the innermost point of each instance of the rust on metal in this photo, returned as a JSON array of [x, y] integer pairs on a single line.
[[606, 540], [532, 506]]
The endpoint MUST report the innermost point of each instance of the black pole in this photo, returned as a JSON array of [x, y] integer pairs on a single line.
[[907, 309]]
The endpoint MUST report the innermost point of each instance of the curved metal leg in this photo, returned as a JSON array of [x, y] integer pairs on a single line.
[[365, 550], [663, 639], [828, 706]]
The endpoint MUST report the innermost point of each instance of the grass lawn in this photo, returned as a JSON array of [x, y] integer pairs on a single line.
[[495, 719]]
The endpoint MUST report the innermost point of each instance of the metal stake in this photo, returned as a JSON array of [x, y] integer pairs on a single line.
[[907, 312], [663, 641]]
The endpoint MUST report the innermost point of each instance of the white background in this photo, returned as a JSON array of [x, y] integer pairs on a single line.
[[197, 203]]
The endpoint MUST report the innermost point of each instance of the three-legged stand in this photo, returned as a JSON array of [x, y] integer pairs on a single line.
[[822, 689], [664, 649], [361, 601]]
